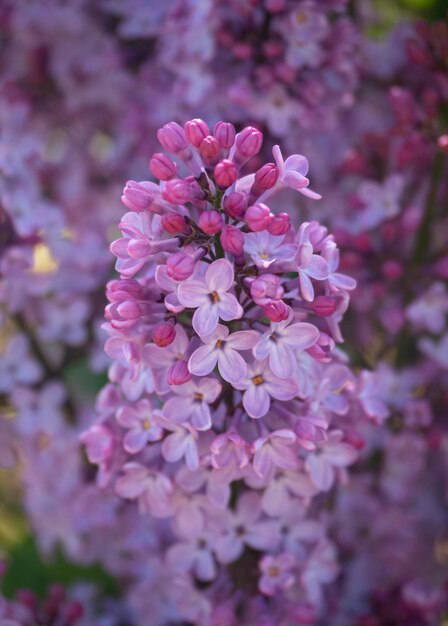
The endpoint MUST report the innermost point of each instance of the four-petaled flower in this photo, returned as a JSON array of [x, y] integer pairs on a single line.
[[222, 348], [192, 402], [210, 297], [282, 341], [141, 424], [260, 384]]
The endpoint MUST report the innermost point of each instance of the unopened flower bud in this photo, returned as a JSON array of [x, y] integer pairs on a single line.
[[225, 134], [248, 143], [180, 266], [172, 138], [178, 373], [279, 224], [195, 131], [232, 240], [162, 167], [163, 334], [225, 173], [324, 306], [137, 196], [257, 217], [177, 191], [267, 176], [209, 150], [235, 204], [265, 289], [276, 311], [174, 223], [211, 222]]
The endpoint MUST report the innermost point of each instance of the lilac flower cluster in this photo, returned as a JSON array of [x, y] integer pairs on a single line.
[[232, 417], [229, 407]]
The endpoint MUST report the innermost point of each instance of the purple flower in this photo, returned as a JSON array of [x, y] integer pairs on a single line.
[[141, 424], [245, 527], [182, 443], [274, 450], [282, 341], [265, 249], [210, 297], [222, 348], [192, 402], [293, 173], [309, 265], [260, 385], [322, 464], [151, 489], [277, 573]]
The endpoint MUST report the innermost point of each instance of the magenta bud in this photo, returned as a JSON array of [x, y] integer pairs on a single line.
[[195, 131], [304, 614], [73, 612], [392, 270], [99, 443], [279, 224], [235, 204], [267, 176], [172, 138], [257, 217], [248, 143], [163, 334], [174, 223], [178, 373], [324, 306], [209, 149], [211, 222], [225, 173], [265, 289], [276, 311], [129, 310], [322, 348], [232, 240], [225, 134], [137, 196], [162, 167], [177, 191], [180, 266], [442, 142], [26, 598]]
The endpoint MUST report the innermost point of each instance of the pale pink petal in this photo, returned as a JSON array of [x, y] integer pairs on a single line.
[[229, 308], [341, 281], [177, 409], [173, 447], [232, 366], [203, 360], [205, 318], [321, 473], [192, 293], [243, 339], [317, 268], [219, 276], [256, 401], [306, 286], [205, 566], [282, 360], [282, 388], [135, 440], [301, 335], [200, 416]]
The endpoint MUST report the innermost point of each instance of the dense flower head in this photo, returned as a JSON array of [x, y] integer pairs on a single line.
[[226, 401]]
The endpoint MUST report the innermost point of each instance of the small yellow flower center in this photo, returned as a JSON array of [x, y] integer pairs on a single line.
[[300, 17], [198, 397], [273, 337], [146, 424], [273, 571], [214, 297], [219, 343], [263, 254], [257, 380]]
